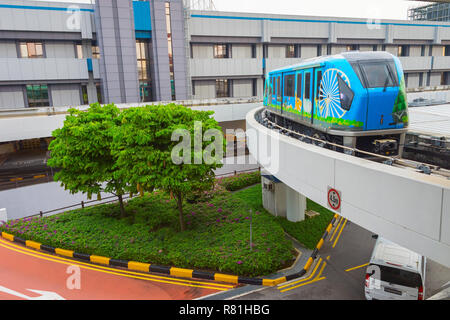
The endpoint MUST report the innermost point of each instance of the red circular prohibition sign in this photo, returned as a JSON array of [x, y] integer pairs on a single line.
[[335, 207]]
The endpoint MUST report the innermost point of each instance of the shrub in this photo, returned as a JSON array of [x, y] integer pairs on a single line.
[[240, 181]]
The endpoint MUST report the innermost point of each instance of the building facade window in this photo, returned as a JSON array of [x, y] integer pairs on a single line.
[[99, 93], [31, 50], [290, 51], [403, 51], [84, 94], [223, 88], [446, 51], [95, 52], [222, 51], [79, 51], [143, 66], [352, 47], [170, 48], [37, 95]]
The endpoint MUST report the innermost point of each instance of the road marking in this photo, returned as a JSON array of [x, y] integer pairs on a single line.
[[107, 268], [304, 284], [43, 295], [339, 234], [123, 273], [302, 280], [337, 227], [354, 268]]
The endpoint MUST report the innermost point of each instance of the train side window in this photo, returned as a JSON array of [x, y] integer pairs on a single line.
[[279, 88], [289, 85], [299, 85], [318, 80], [307, 94]]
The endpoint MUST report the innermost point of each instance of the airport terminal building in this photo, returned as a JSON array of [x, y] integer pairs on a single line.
[[124, 51]]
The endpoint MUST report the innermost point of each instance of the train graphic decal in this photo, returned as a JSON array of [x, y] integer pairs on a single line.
[[358, 94]]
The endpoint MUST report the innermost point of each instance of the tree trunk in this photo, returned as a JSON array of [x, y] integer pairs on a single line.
[[122, 207], [180, 210]]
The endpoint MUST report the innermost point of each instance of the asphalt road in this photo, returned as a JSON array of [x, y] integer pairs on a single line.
[[339, 273], [27, 274]]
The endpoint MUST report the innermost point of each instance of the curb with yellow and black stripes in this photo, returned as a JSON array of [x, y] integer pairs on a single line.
[[173, 271]]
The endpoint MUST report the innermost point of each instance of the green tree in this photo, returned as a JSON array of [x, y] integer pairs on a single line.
[[149, 157], [82, 151]]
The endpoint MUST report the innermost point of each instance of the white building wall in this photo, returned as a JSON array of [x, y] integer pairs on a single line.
[[308, 51], [65, 95], [242, 88], [202, 51], [438, 51], [8, 49], [415, 51], [241, 51], [205, 89], [335, 49], [435, 79], [413, 80], [277, 51], [60, 49], [11, 97]]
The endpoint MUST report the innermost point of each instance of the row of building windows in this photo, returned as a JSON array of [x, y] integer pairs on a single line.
[[224, 51], [37, 95], [224, 88], [36, 49]]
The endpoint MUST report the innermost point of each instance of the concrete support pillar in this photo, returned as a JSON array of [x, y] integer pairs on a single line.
[[295, 205], [3, 215]]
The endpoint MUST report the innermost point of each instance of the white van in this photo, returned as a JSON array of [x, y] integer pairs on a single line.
[[401, 273]]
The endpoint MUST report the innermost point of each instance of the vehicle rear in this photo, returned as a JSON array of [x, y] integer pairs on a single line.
[[394, 273]]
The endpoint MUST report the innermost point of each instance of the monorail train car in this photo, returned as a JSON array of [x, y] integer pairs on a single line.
[[355, 99]]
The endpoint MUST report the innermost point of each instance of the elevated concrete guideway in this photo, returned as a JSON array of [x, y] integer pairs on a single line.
[[409, 208]]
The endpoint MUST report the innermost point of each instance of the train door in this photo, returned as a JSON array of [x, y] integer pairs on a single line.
[[289, 93], [317, 81], [299, 95], [307, 95], [276, 97]]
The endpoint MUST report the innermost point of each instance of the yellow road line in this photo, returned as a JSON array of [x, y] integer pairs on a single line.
[[339, 234], [354, 268], [124, 273], [337, 227], [305, 279], [304, 284], [321, 269]]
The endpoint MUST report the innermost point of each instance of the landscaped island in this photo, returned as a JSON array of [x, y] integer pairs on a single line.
[[217, 235]]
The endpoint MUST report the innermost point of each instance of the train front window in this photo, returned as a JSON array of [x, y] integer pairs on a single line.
[[378, 74]]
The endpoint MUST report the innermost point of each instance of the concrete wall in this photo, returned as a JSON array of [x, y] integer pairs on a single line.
[[205, 89], [14, 69], [11, 97], [8, 49], [242, 88], [55, 19], [60, 50], [65, 95]]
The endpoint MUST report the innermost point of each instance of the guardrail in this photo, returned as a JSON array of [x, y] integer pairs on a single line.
[[86, 204]]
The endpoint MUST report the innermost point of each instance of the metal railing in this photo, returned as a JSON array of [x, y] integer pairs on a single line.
[[91, 203]]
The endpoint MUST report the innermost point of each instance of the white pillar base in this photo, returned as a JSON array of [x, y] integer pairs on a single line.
[[3, 215], [295, 205]]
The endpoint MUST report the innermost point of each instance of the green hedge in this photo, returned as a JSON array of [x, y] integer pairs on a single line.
[[217, 235], [240, 181]]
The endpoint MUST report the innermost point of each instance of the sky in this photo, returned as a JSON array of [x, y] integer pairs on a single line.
[[370, 9]]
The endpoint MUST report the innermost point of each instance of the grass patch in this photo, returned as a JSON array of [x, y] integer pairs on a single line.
[[308, 232], [217, 235], [240, 181]]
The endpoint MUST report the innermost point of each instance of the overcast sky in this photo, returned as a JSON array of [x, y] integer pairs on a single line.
[[375, 9]]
